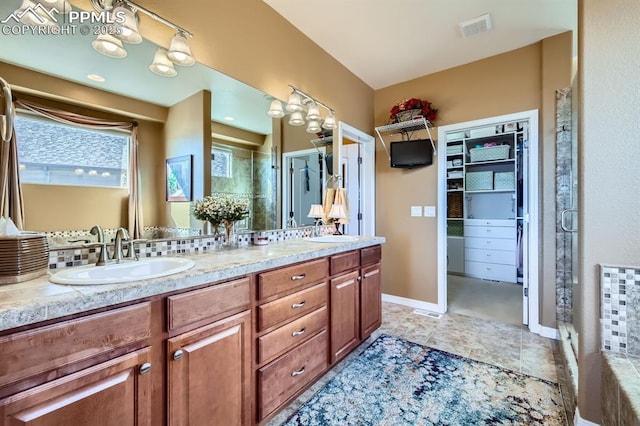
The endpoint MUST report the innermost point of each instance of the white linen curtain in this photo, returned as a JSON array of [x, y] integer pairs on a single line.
[[66, 117]]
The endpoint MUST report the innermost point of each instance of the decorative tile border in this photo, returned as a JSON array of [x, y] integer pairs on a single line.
[[65, 257], [619, 285]]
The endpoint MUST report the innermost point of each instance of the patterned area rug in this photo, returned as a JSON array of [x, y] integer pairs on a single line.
[[396, 382]]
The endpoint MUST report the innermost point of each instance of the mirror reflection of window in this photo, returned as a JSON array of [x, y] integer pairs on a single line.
[[59, 154], [221, 163]]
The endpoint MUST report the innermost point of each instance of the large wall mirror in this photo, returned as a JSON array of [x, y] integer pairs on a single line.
[[245, 159]]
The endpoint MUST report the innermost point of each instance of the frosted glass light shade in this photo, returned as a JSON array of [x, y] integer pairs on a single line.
[[316, 211], [109, 46], [129, 28], [337, 212], [31, 15], [162, 65], [275, 110], [296, 119], [62, 6], [313, 126], [180, 52], [313, 113], [294, 103], [329, 122]]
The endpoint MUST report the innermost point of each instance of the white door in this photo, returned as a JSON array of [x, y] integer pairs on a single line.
[[351, 165]]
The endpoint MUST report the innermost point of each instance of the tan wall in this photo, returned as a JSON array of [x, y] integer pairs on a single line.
[[515, 81], [188, 132], [609, 176], [57, 207]]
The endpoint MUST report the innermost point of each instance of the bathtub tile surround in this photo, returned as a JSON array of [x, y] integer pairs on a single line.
[[621, 388], [619, 312], [183, 242]]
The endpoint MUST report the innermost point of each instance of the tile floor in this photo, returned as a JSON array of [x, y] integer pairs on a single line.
[[508, 346]]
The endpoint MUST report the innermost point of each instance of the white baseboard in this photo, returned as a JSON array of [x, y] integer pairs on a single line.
[[551, 333], [412, 303], [579, 421]]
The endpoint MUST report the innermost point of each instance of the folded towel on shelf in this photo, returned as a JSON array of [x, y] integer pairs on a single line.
[[329, 197]]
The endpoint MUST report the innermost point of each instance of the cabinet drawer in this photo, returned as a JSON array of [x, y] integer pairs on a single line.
[[490, 256], [296, 304], [370, 255], [281, 379], [489, 231], [291, 334], [490, 271], [509, 223], [71, 341], [489, 243], [209, 304], [344, 262], [291, 277]]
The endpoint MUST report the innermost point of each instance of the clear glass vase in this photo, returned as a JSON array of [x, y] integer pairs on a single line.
[[231, 240], [214, 228]]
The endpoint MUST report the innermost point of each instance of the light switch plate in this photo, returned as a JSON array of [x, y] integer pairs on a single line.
[[429, 211], [416, 211]]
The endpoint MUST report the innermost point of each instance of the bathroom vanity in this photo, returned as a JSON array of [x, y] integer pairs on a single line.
[[230, 341]]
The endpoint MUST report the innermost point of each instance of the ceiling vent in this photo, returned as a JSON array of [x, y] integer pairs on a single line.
[[475, 26]]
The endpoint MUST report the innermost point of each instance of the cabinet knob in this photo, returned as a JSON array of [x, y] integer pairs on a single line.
[[359, 278], [299, 333], [298, 305], [145, 368], [298, 277], [178, 354], [297, 373]]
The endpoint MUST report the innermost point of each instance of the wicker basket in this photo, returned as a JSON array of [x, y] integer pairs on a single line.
[[500, 152], [408, 115], [454, 204]]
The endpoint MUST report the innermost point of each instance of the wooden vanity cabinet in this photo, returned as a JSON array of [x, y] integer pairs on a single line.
[[78, 371], [209, 365]]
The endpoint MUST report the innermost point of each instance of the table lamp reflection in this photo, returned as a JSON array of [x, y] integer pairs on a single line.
[[337, 212]]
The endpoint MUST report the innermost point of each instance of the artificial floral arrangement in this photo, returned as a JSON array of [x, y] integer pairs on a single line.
[[412, 108], [221, 209]]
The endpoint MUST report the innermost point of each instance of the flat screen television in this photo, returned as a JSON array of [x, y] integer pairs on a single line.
[[409, 154]]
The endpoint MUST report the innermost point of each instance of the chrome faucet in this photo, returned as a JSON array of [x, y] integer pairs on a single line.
[[122, 235], [103, 255]]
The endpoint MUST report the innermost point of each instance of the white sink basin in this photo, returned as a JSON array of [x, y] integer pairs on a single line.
[[332, 239], [127, 271]]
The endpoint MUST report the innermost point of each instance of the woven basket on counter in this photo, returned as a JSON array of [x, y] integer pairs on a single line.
[[23, 257]]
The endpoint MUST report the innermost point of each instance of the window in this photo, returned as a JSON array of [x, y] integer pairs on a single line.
[[60, 154], [221, 162]]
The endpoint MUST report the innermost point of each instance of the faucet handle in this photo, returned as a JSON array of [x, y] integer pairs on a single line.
[[103, 254]]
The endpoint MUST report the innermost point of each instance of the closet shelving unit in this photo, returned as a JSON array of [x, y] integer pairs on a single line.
[[405, 129]]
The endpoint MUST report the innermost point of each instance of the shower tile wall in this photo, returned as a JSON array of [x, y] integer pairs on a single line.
[[563, 201], [620, 309], [264, 206]]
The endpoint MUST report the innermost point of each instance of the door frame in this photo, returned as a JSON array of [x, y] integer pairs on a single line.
[[286, 185], [531, 262]]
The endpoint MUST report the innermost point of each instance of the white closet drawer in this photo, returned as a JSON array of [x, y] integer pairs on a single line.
[[510, 223], [490, 231], [490, 271], [490, 243], [490, 256]]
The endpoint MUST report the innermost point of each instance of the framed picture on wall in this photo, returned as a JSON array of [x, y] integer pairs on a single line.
[[179, 178]]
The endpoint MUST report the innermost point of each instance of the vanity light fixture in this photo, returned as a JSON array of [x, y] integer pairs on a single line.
[[179, 52], [302, 105], [109, 46], [161, 64], [78, 171], [62, 6], [35, 13]]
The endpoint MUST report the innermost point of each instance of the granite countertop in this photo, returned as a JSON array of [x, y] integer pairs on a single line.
[[39, 300], [627, 370]]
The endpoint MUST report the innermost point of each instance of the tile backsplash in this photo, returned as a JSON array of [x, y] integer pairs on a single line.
[[63, 257], [620, 309]]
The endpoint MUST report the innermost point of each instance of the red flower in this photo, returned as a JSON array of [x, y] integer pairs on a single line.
[[425, 106]]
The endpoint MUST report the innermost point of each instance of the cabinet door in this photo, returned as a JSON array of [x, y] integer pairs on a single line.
[[114, 393], [345, 315], [209, 374], [370, 300]]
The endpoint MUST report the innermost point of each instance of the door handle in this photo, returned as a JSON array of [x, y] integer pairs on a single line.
[[563, 216]]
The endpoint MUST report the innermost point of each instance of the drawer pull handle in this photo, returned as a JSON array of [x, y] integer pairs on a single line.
[[145, 368], [298, 277], [178, 354], [488, 230], [297, 373], [298, 305], [488, 269], [488, 254], [372, 273], [299, 333]]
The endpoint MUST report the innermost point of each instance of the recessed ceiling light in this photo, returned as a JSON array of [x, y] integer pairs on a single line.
[[229, 118], [96, 77]]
